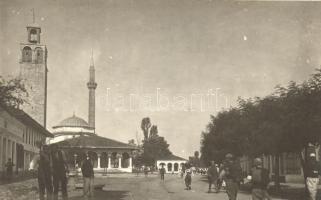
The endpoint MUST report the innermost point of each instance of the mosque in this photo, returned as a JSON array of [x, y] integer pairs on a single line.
[[77, 137]]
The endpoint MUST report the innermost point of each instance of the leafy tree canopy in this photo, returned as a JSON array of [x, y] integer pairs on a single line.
[[12, 92]]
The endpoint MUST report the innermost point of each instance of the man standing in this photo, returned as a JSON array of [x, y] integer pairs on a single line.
[[87, 170], [259, 178], [43, 164], [162, 173], [231, 174], [59, 172], [212, 175], [312, 170], [9, 168], [183, 170]]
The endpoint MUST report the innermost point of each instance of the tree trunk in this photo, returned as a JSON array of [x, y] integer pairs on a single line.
[[303, 157], [277, 172]]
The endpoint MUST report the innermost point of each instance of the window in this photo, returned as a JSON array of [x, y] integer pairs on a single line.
[[26, 54], [39, 55], [33, 35]]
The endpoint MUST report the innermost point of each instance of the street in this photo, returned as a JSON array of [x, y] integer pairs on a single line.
[[126, 187]]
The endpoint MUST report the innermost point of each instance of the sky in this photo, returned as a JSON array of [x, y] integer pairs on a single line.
[[177, 62]]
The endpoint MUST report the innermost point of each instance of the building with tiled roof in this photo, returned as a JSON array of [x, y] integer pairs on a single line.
[[20, 136], [107, 154]]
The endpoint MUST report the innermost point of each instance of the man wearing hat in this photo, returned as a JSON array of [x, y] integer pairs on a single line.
[[42, 163], [231, 173], [312, 171], [259, 178], [212, 175]]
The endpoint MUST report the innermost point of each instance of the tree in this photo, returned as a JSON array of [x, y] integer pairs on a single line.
[[155, 148], [145, 125], [131, 142], [12, 92], [195, 160], [153, 131], [196, 154], [288, 120]]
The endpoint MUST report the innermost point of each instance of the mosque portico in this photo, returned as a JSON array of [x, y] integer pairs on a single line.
[[106, 154]]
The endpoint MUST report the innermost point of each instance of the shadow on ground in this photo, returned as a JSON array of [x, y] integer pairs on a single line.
[[105, 195]]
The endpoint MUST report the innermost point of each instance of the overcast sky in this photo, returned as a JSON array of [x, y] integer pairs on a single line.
[[164, 54]]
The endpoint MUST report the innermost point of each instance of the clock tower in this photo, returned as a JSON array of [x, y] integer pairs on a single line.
[[33, 72]]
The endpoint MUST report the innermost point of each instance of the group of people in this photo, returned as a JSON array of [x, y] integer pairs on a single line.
[[52, 168], [230, 172], [187, 179]]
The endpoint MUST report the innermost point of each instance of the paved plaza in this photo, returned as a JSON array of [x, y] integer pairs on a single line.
[[126, 187]]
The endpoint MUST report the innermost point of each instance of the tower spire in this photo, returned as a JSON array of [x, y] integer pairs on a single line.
[[33, 15], [92, 58], [92, 85]]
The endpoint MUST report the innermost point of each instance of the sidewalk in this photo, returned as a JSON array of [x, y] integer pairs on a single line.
[[21, 176]]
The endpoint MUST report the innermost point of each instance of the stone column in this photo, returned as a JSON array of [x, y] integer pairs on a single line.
[[109, 161], [119, 161], [173, 166], [13, 153], [130, 162], [1, 150], [98, 161], [9, 149]]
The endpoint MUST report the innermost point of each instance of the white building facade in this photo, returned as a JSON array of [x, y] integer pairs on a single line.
[[19, 138], [172, 164]]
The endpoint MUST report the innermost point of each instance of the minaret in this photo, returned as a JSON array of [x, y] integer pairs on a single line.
[[92, 85]]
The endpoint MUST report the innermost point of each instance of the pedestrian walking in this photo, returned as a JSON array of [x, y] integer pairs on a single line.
[[162, 173], [183, 170], [9, 169], [312, 170], [43, 164], [219, 181], [231, 174], [59, 172], [259, 178], [212, 175], [188, 179], [87, 170], [146, 171]]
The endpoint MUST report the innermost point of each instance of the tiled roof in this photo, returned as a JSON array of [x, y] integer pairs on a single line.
[[171, 157], [93, 141], [26, 119], [73, 121]]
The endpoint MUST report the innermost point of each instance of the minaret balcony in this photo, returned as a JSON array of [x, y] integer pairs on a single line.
[[92, 85]]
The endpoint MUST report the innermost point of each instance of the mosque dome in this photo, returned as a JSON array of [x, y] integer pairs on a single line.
[[73, 121]]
